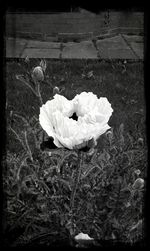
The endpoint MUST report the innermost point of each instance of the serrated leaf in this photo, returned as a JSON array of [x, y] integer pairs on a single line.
[[50, 170], [111, 204], [121, 128], [87, 169], [66, 183], [67, 207], [86, 186]]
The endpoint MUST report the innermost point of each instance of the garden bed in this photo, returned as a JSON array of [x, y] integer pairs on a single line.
[[115, 209]]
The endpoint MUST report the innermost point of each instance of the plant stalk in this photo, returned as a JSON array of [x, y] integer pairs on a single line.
[[76, 182], [39, 93], [41, 101]]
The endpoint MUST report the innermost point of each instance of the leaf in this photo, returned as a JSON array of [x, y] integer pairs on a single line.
[[43, 64], [23, 80], [66, 183], [87, 186], [121, 133], [50, 171], [67, 207], [87, 169], [115, 223], [64, 158], [111, 203]]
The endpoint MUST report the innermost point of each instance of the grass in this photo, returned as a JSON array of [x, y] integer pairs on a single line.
[[38, 210]]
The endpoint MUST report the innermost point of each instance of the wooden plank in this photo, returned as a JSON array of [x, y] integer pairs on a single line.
[[40, 53], [72, 22], [79, 50], [115, 47]]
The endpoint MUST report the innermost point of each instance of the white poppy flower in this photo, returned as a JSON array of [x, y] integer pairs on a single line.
[[92, 113], [82, 236]]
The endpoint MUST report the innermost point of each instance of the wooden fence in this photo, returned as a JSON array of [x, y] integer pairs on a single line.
[[43, 26]]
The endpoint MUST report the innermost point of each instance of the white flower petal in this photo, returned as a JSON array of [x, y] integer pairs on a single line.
[[63, 105], [84, 102], [93, 130], [93, 115], [104, 107], [65, 128], [82, 236], [46, 124], [99, 131]]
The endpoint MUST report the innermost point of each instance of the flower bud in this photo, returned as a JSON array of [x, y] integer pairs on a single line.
[[91, 152], [109, 134], [37, 74], [137, 172], [56, 90], [91, 143], [141, 141], [90, 74], [26, 59], [113, 236], [138, 184], [128, 204], [113, 150]]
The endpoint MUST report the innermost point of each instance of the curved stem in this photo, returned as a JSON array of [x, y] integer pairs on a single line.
[[41, 101], [39, 93], [27, 145], [17, 136], [25, 82]]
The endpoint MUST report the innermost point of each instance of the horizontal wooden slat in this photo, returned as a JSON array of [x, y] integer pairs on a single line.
[[72, 22]]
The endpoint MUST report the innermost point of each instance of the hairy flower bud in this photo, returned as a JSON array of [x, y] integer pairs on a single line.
[[137, 172], [138, 184], [91, 152], [55, 90], [37, 74], [140, 141], [109, 135]]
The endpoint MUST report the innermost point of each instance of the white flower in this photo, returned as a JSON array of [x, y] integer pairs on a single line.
[[82, 236], [93, 115]]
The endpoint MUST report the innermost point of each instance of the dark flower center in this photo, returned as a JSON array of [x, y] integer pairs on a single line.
[[74, 116]]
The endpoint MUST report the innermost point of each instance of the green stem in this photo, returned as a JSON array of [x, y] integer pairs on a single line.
[[76, 182], [25, 82], [41, 101], [39, 93], [17, 136], [27, 145]]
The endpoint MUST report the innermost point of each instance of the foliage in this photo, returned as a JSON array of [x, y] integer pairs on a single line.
[[38, 191], [38, 186]]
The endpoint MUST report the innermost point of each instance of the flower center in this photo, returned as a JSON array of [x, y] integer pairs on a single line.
[[74, 116]]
